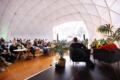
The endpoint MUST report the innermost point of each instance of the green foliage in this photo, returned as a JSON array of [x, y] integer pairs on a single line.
[[116, 35], [95, 43], [107, 29], [103, 42], [85, 42], [98, 43], [60, 48]]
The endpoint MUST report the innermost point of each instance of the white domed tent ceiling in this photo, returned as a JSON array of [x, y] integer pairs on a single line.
[[35, 18]]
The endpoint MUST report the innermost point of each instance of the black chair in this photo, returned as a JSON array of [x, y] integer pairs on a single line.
[[77, 55]]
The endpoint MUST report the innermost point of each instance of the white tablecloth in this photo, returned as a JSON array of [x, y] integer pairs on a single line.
[[19, 50]]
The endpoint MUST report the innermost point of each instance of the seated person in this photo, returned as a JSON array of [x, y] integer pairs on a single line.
[[4, 61], [30, 49], [20, 45], [94, 44], [24, 43], [41, 45], [45, 51], [76, 44], [12, 48], [4, 46], [80, 46], [5, 54], [35, 43]]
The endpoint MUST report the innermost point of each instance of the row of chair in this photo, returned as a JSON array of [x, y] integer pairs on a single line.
[[104, 55]]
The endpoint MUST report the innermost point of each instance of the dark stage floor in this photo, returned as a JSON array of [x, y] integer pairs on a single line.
[[79, 71]]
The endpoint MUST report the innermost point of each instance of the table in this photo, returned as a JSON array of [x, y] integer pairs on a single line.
[[35, 47], [20, 52]]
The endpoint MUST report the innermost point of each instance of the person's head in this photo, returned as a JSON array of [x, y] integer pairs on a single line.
[[75, 39]]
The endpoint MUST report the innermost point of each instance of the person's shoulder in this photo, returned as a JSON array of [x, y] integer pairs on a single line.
[[80, 43], [76, 44], [72, 44]]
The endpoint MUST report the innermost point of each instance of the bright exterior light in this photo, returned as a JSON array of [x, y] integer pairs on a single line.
[[67, 31]]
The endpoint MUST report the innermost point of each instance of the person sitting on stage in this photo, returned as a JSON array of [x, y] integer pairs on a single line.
[[94, 44], [76, 44], [84, 55]]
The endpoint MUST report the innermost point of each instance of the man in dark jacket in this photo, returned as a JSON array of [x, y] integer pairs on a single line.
[[12, 48], [85, 53], [76, 44]]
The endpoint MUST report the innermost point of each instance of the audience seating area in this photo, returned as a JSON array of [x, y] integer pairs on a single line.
[[17, 49]]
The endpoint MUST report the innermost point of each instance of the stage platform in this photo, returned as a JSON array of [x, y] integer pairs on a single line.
[[79, 71]]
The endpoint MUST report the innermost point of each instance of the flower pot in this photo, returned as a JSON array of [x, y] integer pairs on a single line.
[[62, 62]]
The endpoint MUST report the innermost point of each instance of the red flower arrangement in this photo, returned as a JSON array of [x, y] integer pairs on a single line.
[[109, 46]]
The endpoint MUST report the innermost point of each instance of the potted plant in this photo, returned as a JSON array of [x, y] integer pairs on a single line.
[[107, 29], [60, 48], [102, 42], [85, 42]]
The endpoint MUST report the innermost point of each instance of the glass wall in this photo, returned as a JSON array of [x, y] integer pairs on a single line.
[[67, 31]]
